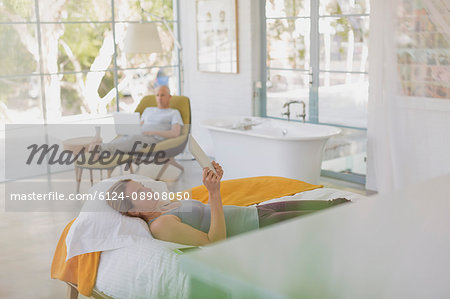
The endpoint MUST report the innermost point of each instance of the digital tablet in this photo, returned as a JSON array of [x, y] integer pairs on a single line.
[[199, 154]]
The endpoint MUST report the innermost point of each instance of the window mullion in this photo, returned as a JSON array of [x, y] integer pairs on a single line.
[[41, 66], [116, 77], [178, 56], [264, 68], [315, 55]]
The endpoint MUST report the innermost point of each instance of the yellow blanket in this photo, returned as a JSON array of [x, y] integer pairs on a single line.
[[82, 269], [249, 191]]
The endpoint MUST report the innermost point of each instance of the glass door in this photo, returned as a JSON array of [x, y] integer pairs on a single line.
[[288, 73], [317, 52]]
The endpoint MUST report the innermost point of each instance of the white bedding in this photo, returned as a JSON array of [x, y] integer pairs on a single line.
[[150, 268], [147, 269]]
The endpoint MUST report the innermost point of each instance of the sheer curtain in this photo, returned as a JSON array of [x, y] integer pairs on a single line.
[[409, 105], [439, 12]]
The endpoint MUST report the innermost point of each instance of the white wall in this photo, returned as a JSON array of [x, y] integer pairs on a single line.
[[213, 94]]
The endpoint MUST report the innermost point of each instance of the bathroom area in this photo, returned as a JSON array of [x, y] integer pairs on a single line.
[[293, 88], [256, 146]]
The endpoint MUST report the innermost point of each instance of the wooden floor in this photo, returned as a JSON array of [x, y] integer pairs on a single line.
[[28, 239]]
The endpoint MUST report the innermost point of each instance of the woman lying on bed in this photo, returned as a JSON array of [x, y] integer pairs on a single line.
[[191, 222]]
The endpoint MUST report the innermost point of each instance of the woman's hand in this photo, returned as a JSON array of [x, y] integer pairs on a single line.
[[211, 180]]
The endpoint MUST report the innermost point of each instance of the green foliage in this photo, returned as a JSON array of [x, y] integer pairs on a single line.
[[276, 29], [20, 92], [163, 8], [293, 7], [88, 10], [106, 85], [20, 8], [301, 54], [70, 101], [342, 26], [111, 107], [85, 41], [333, 8], [14, 58]]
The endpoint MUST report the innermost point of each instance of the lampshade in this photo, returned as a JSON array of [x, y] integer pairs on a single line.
[[142, 38]]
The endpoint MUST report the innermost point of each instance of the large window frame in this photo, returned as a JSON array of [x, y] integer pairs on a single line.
[[313, 73], [114, 69]]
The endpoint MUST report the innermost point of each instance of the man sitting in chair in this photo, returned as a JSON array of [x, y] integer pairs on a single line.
[[157, 124], [161, 122]]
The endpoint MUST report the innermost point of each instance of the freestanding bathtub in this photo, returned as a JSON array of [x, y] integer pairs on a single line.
[[254, 146]]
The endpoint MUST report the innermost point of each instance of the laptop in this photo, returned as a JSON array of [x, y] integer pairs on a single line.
[[199, 154], [127, 123]]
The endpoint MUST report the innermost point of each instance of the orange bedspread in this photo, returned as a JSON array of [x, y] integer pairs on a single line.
[[82, 269], [249, 191]]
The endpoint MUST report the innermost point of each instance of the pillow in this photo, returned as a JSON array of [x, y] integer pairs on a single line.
[[99, 227]]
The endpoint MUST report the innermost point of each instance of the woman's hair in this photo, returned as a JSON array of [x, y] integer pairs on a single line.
[[121, 202]]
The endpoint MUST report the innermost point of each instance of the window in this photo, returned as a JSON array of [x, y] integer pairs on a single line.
[[422, 50], [65, 58], [317, 52]]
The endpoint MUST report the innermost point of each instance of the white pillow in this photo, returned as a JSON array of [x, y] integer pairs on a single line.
[[99, 227]]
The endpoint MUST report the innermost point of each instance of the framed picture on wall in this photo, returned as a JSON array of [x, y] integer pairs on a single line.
[[217, 36]]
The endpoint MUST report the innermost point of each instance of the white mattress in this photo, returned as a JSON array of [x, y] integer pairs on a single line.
[[150, 269], [147, 269]]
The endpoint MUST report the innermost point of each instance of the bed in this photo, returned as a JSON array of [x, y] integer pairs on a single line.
[[149, 268]]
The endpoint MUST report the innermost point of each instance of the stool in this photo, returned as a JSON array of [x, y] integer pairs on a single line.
[[98, 166], [75, 145]]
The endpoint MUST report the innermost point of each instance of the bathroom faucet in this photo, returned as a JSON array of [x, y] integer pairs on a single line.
[[303, 115], [288, 112]]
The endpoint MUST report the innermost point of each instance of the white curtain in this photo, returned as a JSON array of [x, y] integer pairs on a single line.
[[409, 105]]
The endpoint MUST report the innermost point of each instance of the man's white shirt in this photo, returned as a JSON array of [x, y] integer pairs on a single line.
[[156, 119]]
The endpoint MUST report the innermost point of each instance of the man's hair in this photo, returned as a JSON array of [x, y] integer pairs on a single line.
[[121, 202]]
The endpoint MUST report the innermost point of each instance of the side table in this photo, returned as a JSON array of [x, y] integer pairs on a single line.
[[75, 145]]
